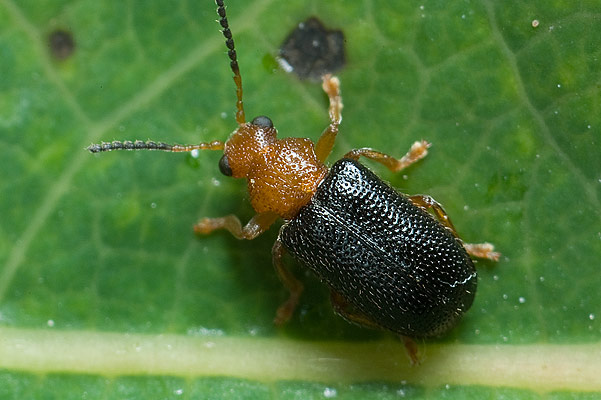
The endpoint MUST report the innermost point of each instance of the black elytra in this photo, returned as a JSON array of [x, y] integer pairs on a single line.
[[393, 262]]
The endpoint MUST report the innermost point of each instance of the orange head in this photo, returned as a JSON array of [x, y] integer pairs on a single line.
[[282, 174]]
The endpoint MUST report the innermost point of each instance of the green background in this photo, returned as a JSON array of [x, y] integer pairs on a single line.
[[105, 244]]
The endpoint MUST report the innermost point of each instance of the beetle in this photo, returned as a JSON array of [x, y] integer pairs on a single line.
[[391, 261]]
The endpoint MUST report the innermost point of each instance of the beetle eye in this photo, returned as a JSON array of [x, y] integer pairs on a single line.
[[262, 122], [224, 166]]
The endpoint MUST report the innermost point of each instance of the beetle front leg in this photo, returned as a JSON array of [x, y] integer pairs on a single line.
[[323, 147], [286, 309], [417, 151], [479, 250], [257, 225]]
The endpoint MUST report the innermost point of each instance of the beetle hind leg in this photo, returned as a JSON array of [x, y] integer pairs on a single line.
[[411, 349], [478, 250], [351, 314], [427, 203], [294, 286], [482, 250]]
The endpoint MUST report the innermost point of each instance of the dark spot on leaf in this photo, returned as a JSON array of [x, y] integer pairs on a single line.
[[311, 50], [61, 44]]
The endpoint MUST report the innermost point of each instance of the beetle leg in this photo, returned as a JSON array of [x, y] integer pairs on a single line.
[[348, 312], [330, 85], [482, 250], [479, 250], [417, 151], [286, 309], [343, 308], [257, 225], [411, 349], [427, 203]]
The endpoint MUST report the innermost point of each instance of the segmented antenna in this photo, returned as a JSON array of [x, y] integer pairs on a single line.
[[151, 145], [229, 42], [215, 145]]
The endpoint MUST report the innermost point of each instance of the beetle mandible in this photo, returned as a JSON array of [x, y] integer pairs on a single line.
[[391, 261]]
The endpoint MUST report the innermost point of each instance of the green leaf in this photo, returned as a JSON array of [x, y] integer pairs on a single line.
[[106, 293]]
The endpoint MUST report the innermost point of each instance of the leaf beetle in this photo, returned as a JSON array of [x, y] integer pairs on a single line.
[[391, 261]]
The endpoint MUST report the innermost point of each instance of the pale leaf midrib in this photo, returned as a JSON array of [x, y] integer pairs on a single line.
[[537, 367]]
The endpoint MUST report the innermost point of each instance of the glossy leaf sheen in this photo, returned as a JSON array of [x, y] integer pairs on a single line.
[[104, 243]]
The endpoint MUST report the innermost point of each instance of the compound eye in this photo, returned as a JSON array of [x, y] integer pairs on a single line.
[[262, 122], [224, 166]]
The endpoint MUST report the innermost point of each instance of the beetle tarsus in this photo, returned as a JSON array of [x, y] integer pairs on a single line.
[[294, 286], [482, 250], [412, 350]]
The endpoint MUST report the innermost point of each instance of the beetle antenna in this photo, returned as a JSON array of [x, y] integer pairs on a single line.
[[151, 145], [215, 145], [229, 42]]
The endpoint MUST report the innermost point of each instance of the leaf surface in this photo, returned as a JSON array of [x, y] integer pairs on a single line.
[[97, 254]]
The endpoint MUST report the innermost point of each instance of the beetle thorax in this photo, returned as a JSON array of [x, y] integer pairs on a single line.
[[282, 174]]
